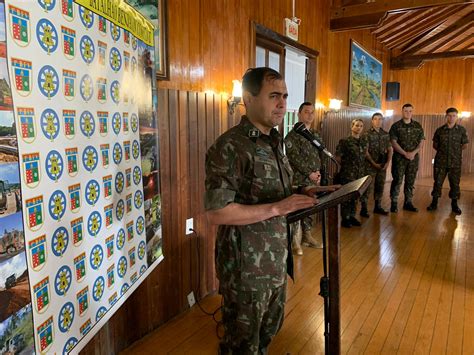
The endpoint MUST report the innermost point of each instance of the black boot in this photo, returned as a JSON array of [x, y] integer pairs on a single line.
[[454, 207], [363, 211], [408, 206], [434, 204], [354, 221], [394, 207], [378, 208]]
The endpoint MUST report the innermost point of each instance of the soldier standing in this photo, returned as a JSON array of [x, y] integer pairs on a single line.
[[449, 141], [379, 156], [351, 153], [406, 136], [249, 192], [306, 163]]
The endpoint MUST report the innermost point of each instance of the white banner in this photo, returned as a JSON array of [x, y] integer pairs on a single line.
[[78, 84]]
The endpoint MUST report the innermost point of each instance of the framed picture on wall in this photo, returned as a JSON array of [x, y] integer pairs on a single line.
[[365, 79], [156, 12]]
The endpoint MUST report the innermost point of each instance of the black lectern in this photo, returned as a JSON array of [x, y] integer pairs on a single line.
[[330, 282]]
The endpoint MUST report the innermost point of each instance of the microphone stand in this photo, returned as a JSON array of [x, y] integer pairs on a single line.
[[324, 281]]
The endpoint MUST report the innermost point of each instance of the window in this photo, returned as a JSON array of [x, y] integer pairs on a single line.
[[294, 61]]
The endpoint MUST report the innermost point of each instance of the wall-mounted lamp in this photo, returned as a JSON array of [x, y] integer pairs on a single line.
[[465, 114], [234, 100], [388, 113], [335, 104], [319, 106]]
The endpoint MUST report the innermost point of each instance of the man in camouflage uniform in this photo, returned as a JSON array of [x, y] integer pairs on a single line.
[[449, 141], [351, 153], [406, 136], [306, 163], [379, 156], [249, 192]]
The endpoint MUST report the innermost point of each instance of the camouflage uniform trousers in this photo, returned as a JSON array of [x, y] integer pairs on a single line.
[[454, 178], [377, 185], [251, 319], [348, 208], [402, 167]]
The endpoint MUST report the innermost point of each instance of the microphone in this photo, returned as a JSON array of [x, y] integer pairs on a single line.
[[301, 129]]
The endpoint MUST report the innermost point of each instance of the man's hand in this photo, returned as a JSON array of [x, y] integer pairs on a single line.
[[410, 155], [315, 177], [293, 203]]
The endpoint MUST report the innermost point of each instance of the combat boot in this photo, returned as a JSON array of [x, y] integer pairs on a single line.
[[309, 241], [394, 207], [346, 223], [408, 206], [378, 208], [434, 204], [454, 207], [354, 221], [296, 243], [363, 211]]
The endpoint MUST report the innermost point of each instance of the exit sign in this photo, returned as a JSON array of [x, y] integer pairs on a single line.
[[291, 29]]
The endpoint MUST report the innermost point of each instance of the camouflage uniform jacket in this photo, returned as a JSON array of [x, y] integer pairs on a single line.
[[352, 152], [379, 144], [407, 135], [247, 167], [448, 143], [303, 157]]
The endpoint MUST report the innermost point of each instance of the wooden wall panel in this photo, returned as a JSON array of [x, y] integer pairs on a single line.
[[210, 44], [436, 86]]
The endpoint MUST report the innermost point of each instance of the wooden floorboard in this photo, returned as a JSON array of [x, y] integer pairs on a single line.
[[407, 286]]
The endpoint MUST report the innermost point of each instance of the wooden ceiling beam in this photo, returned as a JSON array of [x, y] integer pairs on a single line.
[[416, 47], [369, 15], [420, 29], [415, 61], [393, 21], [448, 39], [404, 24]]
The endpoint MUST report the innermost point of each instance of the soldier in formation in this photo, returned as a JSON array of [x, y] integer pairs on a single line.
[[351, 153], [306, 164], [406, 136], [378, 158], [449, 141]]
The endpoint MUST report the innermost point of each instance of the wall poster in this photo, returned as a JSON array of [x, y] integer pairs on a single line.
[[75, 86]]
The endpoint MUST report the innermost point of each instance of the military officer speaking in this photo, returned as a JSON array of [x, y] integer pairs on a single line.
[[406, 136], [249, 192], [449, 141]]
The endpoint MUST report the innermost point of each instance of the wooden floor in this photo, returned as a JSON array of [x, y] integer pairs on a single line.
[[407, 283]]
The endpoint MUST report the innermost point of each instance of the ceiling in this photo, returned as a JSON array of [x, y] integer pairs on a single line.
[[413, 35]]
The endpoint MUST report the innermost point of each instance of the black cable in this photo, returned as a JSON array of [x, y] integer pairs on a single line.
[[216, 311]]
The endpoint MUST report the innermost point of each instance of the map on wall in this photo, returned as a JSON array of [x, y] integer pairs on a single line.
[[74, 89]]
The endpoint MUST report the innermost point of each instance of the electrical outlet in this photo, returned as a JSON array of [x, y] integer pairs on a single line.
[[191, 299], [189, 226]]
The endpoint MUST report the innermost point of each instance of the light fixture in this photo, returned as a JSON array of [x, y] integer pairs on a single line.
[[319, 106], [388, 113], [335, 104], [234, 100], [465, 114]]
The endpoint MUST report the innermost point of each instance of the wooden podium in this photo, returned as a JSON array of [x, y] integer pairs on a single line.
[[331, 203]]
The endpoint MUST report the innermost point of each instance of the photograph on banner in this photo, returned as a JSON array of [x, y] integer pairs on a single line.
[[155, 11], [8, 141], [12, 237], [153, 228], [10, 195], [14, 286], [16, 333]]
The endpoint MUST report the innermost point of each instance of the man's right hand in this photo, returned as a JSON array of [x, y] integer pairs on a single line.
[[293, 203]]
